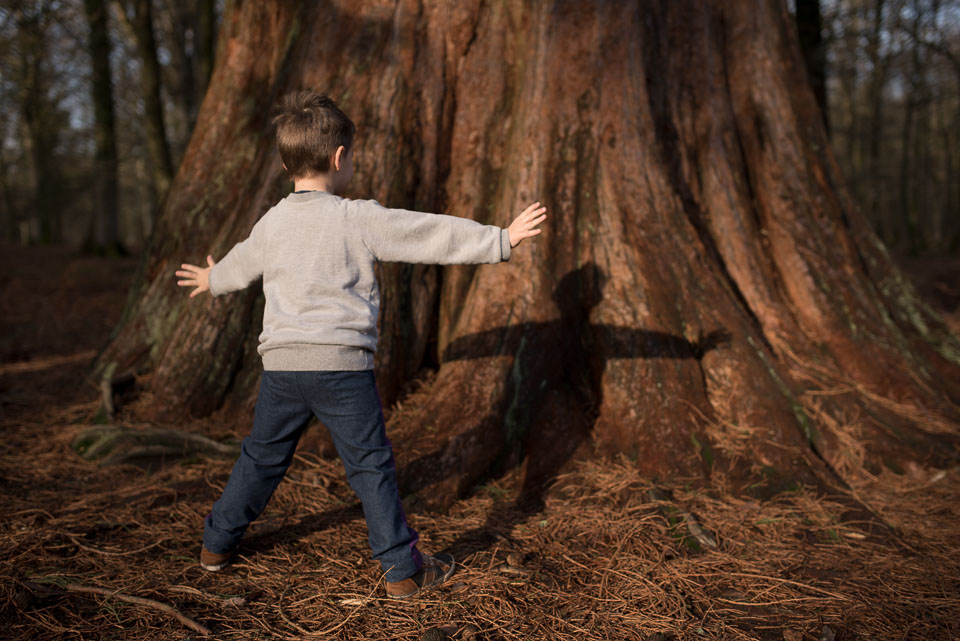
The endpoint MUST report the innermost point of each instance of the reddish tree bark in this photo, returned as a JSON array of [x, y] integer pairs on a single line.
[[705, 296]]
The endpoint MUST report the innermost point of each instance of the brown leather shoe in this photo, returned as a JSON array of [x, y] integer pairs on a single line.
[[435, 570], [212, 561]]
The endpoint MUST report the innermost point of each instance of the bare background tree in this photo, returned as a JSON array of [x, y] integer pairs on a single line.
[[72, 71], [105, 235], [893, 95]]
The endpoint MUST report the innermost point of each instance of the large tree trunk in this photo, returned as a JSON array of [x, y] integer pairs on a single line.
[[705, 296]]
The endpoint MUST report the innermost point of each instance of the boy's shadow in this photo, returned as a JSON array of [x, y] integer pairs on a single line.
[[556, 401], [550, 413]]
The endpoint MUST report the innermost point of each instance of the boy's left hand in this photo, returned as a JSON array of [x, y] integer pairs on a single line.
[[198, 277], [524, 225]]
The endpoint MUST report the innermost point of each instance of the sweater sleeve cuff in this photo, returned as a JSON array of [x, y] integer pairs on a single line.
[[210, 282], [504, 245]]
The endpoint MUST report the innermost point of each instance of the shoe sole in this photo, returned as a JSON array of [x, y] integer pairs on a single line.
[[214, 568]]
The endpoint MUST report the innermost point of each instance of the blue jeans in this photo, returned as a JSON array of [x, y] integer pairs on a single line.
[[349, 405]]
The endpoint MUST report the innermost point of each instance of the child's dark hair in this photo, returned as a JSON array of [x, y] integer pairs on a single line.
[[310, 127]]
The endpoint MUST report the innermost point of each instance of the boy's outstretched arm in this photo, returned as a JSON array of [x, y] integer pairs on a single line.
[[241, 266], [401, 235]]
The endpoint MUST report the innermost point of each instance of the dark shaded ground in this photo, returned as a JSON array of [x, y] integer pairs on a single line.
[[607, 556]]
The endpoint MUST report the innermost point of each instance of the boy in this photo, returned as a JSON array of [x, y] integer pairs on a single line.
[[316, 252]]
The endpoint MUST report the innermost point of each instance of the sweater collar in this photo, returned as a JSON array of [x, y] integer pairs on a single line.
[[309, 196]]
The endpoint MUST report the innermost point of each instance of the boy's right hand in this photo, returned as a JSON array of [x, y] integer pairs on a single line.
[[523, 225], [196, 276]]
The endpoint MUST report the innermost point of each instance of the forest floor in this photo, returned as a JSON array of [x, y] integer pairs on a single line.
[[607, 556]]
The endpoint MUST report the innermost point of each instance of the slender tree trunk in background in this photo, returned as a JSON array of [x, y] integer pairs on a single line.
[[906, 229], [878, 81], [934, 219], [917, 214], [205, 43], [903, 227], [810, 31], [705, 297], [950, 227], [35, 147], [181, 76], [39, 140], [953, 190], [106, 233], [9, 215], [140, 25]]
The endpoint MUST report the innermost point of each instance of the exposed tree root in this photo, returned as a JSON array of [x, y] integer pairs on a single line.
[[112, 444]]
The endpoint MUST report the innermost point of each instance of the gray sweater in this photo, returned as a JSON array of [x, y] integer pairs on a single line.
[[316, 253]]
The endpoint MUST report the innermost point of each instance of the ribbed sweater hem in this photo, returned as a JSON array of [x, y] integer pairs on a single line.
[[314, 358]]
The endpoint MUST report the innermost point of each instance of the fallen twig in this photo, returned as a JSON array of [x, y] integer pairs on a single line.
[[150, 603]]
